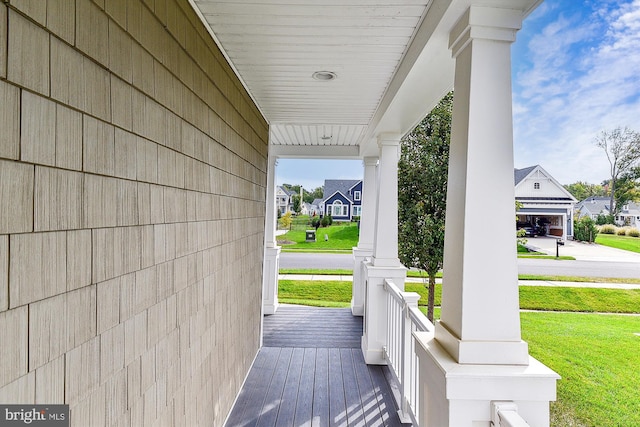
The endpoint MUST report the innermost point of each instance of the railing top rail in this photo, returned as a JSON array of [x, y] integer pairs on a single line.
[[393, 289], [420, 321], [417, 317]]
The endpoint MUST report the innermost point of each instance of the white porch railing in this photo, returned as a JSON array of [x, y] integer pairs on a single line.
[[404, 318]]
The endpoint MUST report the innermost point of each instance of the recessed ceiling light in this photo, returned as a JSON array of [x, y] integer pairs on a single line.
[[324, 76]]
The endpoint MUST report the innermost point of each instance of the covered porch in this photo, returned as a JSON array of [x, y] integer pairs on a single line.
[[349, 80], [310, 371]]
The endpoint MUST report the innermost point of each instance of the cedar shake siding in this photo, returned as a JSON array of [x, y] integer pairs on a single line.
[[132, 201]]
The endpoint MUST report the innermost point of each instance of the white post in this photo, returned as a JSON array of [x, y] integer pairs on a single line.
[[271, 248], [481, 167], [364, 249], [384, 263], [477, 355]]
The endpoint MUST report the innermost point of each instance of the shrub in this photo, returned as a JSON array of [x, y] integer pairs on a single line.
[[608, 229], [633, 232], [622, 231], [520, 234], [326, 221], [604, 219], [585, 230], [285, 220], [315, 222]]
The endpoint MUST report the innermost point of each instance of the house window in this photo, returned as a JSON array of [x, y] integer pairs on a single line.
[[536, 185], [357, 211], [356, 196], [338, 209]]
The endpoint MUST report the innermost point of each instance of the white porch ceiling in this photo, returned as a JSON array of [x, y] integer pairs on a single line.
[[391, 60]]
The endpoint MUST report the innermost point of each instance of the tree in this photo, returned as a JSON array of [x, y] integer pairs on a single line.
[[297, 207], [627, 188], [582, 190], [422, 194], [316, 193], [622, 147]]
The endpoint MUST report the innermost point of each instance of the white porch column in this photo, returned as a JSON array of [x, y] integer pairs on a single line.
[[477, 355], [271, 249], [364, 249], [384, 263], [481, 163]]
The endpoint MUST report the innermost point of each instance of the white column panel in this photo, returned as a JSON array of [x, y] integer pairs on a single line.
[[385, 240], [480, 320], [364, 249], [271, 249]]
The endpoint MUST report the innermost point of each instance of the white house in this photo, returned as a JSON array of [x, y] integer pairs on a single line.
[[138, 200], [284, 199], [629, 214], [546, 204]]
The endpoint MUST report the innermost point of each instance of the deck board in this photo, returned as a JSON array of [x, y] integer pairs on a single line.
[[311, 372]]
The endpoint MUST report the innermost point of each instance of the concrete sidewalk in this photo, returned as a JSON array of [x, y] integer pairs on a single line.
[[347, 278]]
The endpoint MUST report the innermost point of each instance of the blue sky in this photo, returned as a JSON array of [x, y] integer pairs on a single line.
[[576, 72]]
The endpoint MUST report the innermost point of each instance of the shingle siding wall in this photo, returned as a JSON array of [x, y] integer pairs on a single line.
[[132, 201]]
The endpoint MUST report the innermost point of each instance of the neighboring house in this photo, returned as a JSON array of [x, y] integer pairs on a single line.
[[342, 199], [593, 207], [317, 207], [284, 199], [306, 209], [546, 204], [599, 205], [628, 215]]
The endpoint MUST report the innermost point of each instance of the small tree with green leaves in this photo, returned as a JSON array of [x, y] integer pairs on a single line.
[[297, 206], [422, 194]]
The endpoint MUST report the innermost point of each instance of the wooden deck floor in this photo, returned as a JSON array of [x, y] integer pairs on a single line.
[[311, 372]]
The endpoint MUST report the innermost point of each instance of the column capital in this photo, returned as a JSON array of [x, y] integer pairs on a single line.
[[370, 161], [484, 22], [389, 139]]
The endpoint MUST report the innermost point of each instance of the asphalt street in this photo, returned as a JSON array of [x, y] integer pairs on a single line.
[[548, 267]]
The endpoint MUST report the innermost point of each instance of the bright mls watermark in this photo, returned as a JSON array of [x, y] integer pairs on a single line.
[[34, 415]]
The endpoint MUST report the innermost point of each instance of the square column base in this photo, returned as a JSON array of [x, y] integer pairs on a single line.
[[358, 288], [458, 395], [375, 322], [270, 280]]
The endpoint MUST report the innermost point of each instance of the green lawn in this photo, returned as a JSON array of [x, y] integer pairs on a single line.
[[586, 300], [596, 355], [598, 359], [339, 237], [621, 242]]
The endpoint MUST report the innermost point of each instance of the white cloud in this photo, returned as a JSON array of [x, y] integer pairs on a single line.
[[583, 77]]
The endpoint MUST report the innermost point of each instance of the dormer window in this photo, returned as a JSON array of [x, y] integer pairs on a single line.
[[356, 196], [536, 185]]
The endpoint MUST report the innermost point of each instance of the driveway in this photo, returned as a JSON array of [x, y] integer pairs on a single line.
[[582, 251]]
